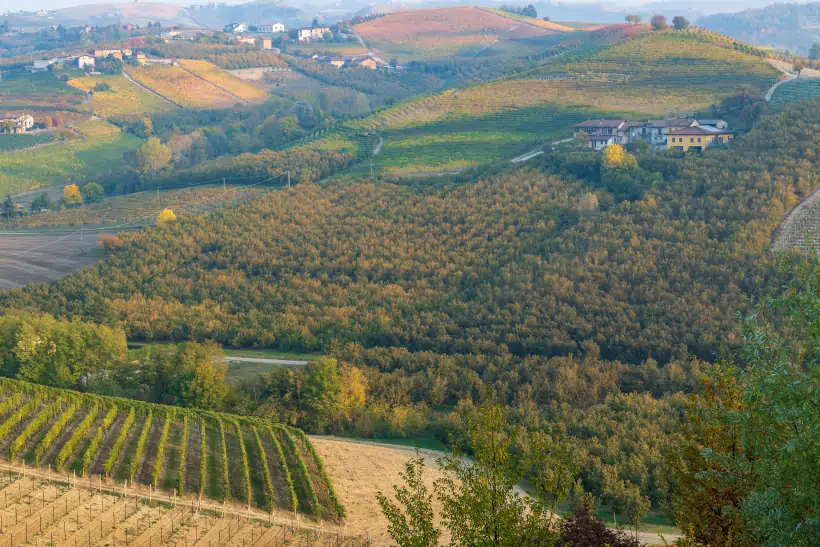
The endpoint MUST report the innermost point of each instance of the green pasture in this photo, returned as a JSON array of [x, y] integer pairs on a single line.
[[64, 162]]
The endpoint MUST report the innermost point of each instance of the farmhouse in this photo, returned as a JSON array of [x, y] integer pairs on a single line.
[[306, 34], [267, 43], [85, 61], [656, 133], [105, 53], [698, 138], [338, 62], [20, 124], [236, 27], [40, 66], [603, 132], [270, 28], [363, 62]]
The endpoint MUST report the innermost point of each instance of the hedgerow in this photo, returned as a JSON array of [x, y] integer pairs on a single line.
[[96, 440], [182, 450], [76, 437], [283, 466], [270, 496], [163, 439], [53, 433], [115, 449], [135, 461], [34, 426]]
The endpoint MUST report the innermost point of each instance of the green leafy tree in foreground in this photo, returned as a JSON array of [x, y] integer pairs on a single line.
[[750, 475], [413, 526], [481, 502]]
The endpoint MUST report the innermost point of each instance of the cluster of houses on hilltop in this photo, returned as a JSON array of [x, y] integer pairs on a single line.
[[675, 133], [303, 34], [19, 124], [88, 61]]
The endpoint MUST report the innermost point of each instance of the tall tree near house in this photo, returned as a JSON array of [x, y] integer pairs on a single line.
[[658, 22], [814, 52]]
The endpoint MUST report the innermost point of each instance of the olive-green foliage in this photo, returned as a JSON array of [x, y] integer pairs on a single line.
[[41, 349], [246, 470], [764, 406], [203, 456], [160, 455], [226, 475], [270, 494], [305, 480]]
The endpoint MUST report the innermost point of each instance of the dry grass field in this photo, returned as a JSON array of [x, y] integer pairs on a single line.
[[225, 80], [180, 86], [31, 257]]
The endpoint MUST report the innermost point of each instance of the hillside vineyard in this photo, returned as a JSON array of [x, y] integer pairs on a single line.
[[193, 454]]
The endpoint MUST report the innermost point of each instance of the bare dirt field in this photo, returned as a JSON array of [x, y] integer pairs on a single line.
[[27, 257]]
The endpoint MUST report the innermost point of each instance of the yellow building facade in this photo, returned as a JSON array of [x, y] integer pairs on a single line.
[[697, 138]]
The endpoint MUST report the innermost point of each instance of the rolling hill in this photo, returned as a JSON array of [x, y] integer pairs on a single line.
[[457, 32]]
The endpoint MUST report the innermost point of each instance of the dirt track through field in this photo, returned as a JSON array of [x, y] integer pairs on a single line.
[[29, 257]]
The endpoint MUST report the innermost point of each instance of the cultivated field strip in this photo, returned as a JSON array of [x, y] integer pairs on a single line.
[[173, 453]]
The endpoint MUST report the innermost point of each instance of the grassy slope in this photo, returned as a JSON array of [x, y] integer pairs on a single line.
[[225, 80], [123, 99], [71, 161]]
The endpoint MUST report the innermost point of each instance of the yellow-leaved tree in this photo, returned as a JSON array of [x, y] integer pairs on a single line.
[[72, 195], [615, 156], [165, 216]]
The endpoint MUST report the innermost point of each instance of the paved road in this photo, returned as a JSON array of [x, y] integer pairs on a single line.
[[269, 361]]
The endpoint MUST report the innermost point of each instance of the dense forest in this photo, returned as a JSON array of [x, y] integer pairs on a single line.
[[645, 261]]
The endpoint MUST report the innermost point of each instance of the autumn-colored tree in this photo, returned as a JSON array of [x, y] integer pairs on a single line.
[[582, 139], [658, 22], [615, 156], [165, 216], [72, 195]]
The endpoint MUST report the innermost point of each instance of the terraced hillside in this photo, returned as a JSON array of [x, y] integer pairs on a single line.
[[223, 457], [181, 87], [122, 98]]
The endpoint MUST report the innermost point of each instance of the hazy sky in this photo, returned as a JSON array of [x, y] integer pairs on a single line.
[[713, 5]]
